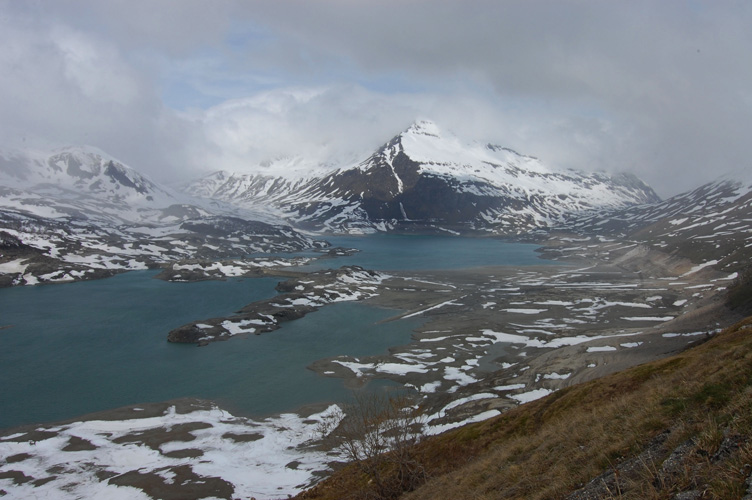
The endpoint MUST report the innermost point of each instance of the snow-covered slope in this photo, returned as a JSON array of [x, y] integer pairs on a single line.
[[76, 181], [712, 223], [474, 163], [429, 178], [78, 213]]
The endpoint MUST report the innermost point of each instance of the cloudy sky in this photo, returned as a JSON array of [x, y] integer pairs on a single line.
[[178, 87]]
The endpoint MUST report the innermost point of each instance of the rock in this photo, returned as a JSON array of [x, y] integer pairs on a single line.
[[302, 294], [340, 252], [186, 334]]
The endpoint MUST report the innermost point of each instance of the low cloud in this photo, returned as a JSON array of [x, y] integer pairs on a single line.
[[176, 88]]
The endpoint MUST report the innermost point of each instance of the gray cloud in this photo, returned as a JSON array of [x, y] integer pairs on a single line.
[[661, 89]]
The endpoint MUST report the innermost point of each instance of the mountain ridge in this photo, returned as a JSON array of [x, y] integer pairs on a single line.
[[77, 213], [427, 178], [710, 222]]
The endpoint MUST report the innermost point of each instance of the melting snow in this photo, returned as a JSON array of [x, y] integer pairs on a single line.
[[257, 467], [525, 311], [438, 429], [14, 266], [648, 318], [699, 267], [603, 348], [400, 369], [511, 387], [526, 397]]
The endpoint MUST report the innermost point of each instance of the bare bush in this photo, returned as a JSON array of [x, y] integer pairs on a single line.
[[377, 433]]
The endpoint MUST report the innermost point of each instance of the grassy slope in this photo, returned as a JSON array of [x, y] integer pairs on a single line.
[[683, 423]]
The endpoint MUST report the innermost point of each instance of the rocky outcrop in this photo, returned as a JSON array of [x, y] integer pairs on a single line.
[[301, 295]]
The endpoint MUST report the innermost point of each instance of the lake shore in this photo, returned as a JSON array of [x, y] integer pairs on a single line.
[[494, 337], [515, 334]]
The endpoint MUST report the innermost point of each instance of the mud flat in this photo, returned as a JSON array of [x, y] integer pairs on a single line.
[[498, 337]]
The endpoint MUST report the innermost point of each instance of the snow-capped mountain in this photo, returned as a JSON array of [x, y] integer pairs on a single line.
[[79, 182], [429, 178], [78, 213], [82, 167]]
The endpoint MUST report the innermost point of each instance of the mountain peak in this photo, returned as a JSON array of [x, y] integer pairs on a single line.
[[424, 127], [93, 175], [431, 176], [84, 150]]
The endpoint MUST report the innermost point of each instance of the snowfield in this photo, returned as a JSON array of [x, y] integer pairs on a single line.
[[247, 458]]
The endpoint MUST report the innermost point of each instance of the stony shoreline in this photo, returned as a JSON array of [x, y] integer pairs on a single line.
[[515, 334]]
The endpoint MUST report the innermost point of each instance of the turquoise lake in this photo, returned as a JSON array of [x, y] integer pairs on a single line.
[[76, 348], [389, 252]]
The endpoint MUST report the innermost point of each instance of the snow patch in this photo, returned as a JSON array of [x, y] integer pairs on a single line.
[[602, 348], [529, 396]]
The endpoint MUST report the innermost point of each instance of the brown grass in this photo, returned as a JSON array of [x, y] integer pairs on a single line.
[[628, 423]]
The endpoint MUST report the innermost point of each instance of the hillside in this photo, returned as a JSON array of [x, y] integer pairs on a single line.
[[675, 428], [712, 223]]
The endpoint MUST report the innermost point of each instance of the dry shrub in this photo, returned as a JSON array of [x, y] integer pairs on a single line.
[[377, 434]]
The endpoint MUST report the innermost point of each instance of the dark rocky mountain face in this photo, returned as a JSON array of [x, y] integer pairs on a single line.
[[426, 179]]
